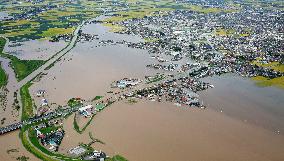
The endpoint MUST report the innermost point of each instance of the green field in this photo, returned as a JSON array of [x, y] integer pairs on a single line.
[[61, 19], [57, 31], [27, 102], [3, 77], [266, 82], [67, 14], [76, 126], [22, 68]]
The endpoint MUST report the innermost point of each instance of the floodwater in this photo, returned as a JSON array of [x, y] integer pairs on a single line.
[[8, 112], [34, 49], [88, 71], [11, 141], [240, 98], [244, 130], [161, 131]]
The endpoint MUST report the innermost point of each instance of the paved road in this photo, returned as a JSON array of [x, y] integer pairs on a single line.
[[13, 85], [58, 55], [49, 116]]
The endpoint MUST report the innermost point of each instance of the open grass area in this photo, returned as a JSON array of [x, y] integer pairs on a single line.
[[136, 13], [49, 129], [27, 102], [97, 98], [156, 78], [62, 15], [57, 31], [22, 68], [3, 77], [151, 39], [116, 158], [224, 32], [114, 27], [207, 10], [272, 65], [26, 143], [266, 82], [76, 126]]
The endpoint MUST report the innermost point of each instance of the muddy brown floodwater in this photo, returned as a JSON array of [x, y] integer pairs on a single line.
[[152, 131], [158, 131], [34, 49], [11, 141], [240, 98], [161, 131]]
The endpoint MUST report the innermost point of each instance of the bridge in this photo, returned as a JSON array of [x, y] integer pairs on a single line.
[[49, 116]]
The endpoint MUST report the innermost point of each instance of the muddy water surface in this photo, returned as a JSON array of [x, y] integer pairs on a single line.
[[240, 98], [34, 49], [154, 131], [11, 141]]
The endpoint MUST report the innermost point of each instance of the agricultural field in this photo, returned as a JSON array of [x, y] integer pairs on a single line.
[[36, 20], [22, 68], [3, 77], [45, 19]]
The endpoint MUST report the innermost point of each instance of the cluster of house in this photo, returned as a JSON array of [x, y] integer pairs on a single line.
[[89, 110], [180, 91], [125, 82], [31, 11], [94, 155], [44, 103], [223, 42], [64, 37], [51, 139], [86, 36]]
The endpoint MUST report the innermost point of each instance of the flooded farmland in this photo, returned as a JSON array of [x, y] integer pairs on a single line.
[[241, 121], [34, 49], [163, 131]]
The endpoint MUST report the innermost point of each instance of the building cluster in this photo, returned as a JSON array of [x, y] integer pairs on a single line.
[[219, 42], [181, 91], [125, 82], [50, 139]]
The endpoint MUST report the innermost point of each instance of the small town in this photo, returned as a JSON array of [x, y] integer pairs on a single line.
[[120, 80]]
